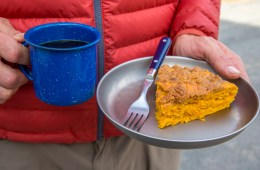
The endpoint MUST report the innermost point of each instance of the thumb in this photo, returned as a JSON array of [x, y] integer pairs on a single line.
[[19, 37], [224, 61], [6, 27]]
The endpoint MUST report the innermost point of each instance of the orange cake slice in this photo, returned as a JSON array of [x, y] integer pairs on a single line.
[[184, 94]]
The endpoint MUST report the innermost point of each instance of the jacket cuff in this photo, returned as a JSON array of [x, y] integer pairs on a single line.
[[189, 31]]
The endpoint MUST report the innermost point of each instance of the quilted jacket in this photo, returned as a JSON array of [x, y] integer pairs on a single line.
[[130, 29]]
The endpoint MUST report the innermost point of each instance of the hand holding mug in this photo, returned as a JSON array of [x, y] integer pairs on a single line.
[[11, 53]]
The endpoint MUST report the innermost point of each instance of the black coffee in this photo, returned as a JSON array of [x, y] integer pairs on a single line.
[[64, 43]]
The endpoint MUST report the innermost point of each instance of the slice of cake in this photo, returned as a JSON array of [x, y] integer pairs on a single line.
[[184, 94]]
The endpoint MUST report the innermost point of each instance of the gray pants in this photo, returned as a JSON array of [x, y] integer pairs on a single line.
[[118, 153]]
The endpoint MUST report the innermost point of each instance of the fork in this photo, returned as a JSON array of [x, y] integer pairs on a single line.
[[139, 110]]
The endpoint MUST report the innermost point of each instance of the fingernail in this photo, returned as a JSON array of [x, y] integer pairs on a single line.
[[233, 70]]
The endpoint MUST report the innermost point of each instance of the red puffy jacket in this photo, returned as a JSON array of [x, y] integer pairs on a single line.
[[130, 29]]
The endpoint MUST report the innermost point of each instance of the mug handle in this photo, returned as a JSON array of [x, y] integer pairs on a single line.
[[25, 69]]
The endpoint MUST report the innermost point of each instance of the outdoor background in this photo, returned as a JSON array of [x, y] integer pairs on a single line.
[[240, 31]]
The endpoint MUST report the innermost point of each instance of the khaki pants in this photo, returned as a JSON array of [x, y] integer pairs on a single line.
[[119, 153]]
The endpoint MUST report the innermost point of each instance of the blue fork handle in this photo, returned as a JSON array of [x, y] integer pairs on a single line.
[[161, 51]]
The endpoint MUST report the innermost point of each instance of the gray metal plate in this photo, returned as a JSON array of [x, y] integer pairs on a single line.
[[122, 85]]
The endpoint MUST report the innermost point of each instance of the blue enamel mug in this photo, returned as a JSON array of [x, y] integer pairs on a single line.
[[63, 62]]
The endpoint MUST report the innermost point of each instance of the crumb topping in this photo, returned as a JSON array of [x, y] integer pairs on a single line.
[[180, 83]]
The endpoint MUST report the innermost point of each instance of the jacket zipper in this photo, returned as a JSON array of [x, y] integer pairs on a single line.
[[100, 61]]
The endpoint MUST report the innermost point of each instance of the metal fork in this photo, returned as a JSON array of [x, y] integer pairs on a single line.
[[139, 110]]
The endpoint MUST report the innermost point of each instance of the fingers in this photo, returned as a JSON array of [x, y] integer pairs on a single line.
[[224, 61], [10, 81], [12, 51], [220, 57], [10, 77], [6, 94]]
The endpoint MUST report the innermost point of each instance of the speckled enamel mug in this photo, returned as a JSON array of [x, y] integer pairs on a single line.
[[63, 62]]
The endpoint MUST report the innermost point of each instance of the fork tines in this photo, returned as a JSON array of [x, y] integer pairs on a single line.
[[135, 121]]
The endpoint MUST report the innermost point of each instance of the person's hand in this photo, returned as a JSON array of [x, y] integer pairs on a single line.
[[11, 54], [221, 58]]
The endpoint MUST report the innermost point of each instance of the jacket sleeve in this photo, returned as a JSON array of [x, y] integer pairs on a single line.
[[197, 17]]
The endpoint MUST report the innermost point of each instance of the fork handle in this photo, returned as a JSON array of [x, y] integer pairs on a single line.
[[161, 51]]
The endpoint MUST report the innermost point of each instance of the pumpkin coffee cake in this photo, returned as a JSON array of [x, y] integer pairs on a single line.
[[184, 94]]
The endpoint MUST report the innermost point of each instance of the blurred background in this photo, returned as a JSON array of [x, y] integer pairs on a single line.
[[240, 31]]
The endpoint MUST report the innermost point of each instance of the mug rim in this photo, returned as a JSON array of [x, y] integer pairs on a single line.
[[95, 31]]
